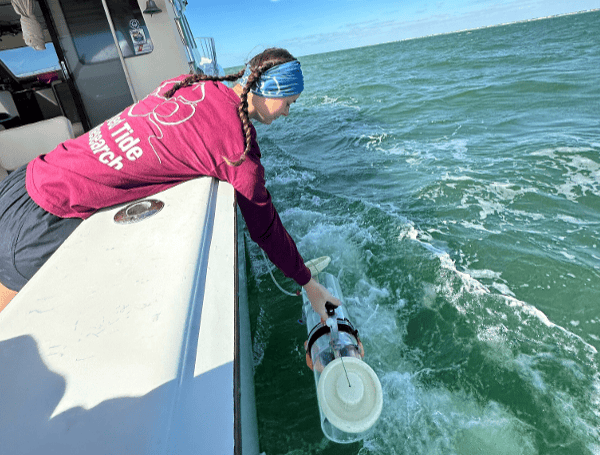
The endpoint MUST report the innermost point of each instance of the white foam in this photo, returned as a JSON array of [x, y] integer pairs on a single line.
[[470, 283], [366, 309], [472, 286], [553, 152], [457, 178], [522, 213], [495, 198], [571, 220], [416, 154], [488, 274], [478, 227], [374, 141], [314, 200], [569, 256], [292, 176], [581, 173], [408, 232], [435, 421], [508, 191], [526, 365], [503, 289], [327, 100], [260, 337]]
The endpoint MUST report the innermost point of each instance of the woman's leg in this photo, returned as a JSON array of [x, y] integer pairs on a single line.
[[6, 295], [28, 235]]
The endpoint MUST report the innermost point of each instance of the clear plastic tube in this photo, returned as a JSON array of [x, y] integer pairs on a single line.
[[328, 342]]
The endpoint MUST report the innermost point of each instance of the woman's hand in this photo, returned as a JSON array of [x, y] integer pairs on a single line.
[[318, 296]]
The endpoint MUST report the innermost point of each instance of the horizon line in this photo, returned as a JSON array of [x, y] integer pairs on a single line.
[[553, 16]]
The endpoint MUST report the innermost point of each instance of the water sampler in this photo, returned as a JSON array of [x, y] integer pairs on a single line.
[[349, 393]]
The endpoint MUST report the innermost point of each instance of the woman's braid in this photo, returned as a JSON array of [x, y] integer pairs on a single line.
[[191, 80], [258, 65], [254, 76]]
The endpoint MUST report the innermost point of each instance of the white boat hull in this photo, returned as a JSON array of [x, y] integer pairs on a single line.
[[127, 340]]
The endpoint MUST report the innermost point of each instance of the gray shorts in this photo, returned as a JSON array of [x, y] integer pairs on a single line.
[[28, 234]]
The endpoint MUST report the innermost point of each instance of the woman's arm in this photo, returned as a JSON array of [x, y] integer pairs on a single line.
[[266, 229]]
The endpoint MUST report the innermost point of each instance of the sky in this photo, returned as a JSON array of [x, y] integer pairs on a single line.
[[244, 28]]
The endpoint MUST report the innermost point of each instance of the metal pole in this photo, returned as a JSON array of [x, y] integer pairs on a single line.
[[114, 35]]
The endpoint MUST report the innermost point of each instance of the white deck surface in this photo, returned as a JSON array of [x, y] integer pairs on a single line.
[[117, 346]]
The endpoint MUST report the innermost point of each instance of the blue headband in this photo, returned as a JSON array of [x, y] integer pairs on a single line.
[[279, 81]]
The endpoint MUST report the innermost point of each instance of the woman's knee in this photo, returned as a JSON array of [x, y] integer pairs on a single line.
[[6, 295]]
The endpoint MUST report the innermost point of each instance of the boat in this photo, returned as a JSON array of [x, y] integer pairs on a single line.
[[134, 337]]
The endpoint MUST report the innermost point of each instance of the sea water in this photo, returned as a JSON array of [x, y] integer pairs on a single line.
[[455, 182]]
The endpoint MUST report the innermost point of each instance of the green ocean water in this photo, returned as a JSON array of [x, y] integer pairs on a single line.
[[455, 182]]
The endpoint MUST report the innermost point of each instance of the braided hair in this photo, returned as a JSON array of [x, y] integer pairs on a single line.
[[258, 65]]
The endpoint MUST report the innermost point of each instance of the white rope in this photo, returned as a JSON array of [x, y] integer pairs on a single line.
[[275, 281], [32, 30]]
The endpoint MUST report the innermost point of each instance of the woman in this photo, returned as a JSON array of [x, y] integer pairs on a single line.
[[188, 127]]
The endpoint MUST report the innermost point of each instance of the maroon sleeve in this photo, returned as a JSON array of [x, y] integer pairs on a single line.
[[268, 232]]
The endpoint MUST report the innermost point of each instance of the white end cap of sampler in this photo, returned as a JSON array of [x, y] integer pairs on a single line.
[[317, 265], [352, 402]]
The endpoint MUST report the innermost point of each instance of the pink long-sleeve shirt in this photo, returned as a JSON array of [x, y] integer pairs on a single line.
[[158, 143]]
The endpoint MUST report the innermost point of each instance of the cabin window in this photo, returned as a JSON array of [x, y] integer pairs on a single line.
[[91, 34], [25, 61]]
